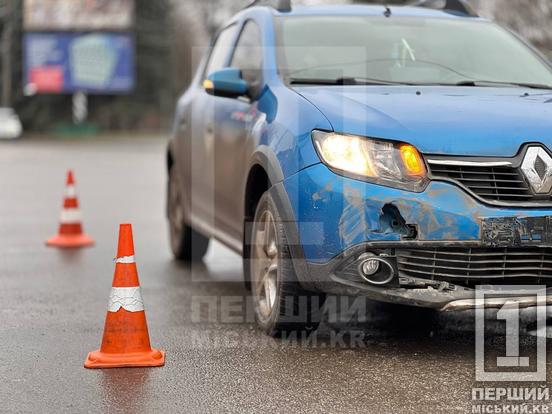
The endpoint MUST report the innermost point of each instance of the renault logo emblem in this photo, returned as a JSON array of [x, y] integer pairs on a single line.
[[537, 168]]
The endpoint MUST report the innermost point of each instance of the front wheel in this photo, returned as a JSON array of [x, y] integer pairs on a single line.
[[281, 304], [186, 243]]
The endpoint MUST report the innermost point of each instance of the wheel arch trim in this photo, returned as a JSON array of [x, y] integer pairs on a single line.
[[265, 157]]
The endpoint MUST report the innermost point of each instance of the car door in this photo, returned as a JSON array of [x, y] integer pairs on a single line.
[[235, 119], [199, 153]]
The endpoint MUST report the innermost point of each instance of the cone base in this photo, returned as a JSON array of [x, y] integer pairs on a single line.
[[98, 359], [63, 241]]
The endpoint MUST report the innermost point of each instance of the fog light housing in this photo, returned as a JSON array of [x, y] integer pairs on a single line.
[[370, 267], [375, 270]]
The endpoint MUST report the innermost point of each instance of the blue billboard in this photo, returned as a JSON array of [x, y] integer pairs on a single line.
[[94, 63]]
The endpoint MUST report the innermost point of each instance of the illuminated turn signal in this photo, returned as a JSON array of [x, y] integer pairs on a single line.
[[412, 160], [208, 84]]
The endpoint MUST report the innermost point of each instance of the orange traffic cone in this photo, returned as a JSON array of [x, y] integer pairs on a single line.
[[70, 228], [126, 340]]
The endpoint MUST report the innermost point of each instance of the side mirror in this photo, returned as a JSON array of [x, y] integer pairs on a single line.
[[227, 83]]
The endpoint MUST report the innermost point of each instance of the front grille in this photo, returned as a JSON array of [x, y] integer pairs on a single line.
[[504, 183], [475, 266]]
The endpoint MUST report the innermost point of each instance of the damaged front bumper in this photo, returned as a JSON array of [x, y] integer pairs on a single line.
[[445, 301], [341, 277], [338, 219], [335, 213]]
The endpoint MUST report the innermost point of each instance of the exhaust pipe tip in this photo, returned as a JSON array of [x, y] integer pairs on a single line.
[[375, 270]]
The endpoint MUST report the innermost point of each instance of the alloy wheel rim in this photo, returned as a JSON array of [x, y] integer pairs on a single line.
[[265, 264]]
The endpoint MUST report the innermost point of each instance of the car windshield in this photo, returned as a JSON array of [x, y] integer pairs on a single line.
[[405, 50]]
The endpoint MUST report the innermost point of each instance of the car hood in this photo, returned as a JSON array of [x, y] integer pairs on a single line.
[[440, 120]]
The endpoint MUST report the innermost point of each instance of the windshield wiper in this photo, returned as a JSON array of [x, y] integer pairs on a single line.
[[371, 81], [495, 83], [342, 81]]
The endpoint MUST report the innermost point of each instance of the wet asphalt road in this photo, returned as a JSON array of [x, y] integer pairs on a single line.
[[53, 304]]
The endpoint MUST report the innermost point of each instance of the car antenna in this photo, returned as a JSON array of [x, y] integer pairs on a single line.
[[280, 5], [387, 12]]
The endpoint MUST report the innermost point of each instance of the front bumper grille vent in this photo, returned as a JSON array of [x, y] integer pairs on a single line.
[[475, 266]]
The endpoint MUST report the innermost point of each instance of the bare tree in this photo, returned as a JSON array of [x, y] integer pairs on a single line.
[[7, 9], [530, 18]]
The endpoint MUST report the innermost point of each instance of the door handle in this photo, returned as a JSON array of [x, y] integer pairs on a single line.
[[183, 125], [209, 138]]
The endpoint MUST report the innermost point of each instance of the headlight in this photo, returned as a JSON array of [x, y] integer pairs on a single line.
[[383, 162]]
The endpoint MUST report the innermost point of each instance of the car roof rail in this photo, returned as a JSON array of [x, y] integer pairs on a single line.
[[280, 5], [449, 6]]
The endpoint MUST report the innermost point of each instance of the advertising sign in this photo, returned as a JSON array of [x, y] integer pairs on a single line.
[[96, 63], [83, 15]]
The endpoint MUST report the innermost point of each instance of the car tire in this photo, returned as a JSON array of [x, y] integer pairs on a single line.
[[281, 304], [186, 244]]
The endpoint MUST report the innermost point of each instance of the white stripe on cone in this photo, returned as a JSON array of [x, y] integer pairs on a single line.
[[128, 298], [70, 216], [70, 191], [125, 259]]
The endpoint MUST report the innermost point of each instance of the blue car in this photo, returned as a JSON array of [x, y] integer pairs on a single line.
[[397, 153]]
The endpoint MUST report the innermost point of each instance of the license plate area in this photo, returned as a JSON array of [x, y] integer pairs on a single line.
[[517, 231]]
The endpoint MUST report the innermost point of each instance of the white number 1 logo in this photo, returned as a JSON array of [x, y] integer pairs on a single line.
[[510, 313], [511, 367]]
